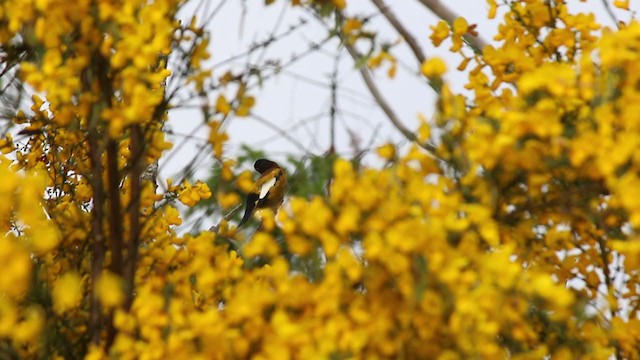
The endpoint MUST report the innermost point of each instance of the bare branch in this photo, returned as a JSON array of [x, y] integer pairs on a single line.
[[334, 106], [227, 217], [280, 131]]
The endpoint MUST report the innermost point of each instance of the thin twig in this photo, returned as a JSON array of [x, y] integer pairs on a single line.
[[444, 13], [280, 131], [609, 11], [334, 105], [227, 217]]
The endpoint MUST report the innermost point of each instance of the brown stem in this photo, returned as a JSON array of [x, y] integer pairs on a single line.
[[97, 72], [101, 66], [227, 217], [115, 218], [444, 13], [115, 224], [135, 177], [97, 231]]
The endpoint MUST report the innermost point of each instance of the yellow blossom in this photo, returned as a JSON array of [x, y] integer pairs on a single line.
[[622, 4], [439, 33], [228, 200], [262, 244], [433, 68], [222, 105], [172, 215], [67, 292], [351, 25], [110, 290], [217, 138], [387, 151]]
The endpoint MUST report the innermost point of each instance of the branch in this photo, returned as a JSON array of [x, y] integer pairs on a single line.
[[333, 111], [281, 132], [101, 68], [115, 224], [444, 13], [134, 212], [97, 228], [411, 41], [227, 217], [97, 231], [377, 96]]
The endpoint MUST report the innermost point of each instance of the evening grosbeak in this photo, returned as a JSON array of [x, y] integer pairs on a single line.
[[269, 188]]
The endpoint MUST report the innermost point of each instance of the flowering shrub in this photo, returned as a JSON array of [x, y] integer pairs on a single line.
[[508, 227]]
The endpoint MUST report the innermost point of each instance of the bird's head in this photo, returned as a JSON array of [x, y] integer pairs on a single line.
[[264, 165]]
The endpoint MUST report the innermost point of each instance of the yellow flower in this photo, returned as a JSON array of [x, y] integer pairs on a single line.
[[95, 352], [17, 268], [440, 33], [227, 169], [67, 292], [348, 220], [460, 27], [349, 264], [222, 105], [217, 138], [299, 245], [246, 104], [493, 7], [433, 68], [228, 200], [8, 317], [110, 290], [262, 244], [192, 194], [245, 181], [351, 25], [387, 151], [339, 4], [314, 217], [621, 4], [28, 330], [424, 130], [172, 215]]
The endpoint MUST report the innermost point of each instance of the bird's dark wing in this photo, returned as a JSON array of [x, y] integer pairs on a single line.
[[250, 205], [263, 165]]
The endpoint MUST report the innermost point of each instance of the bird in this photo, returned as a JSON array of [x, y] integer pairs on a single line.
[[268, 191]]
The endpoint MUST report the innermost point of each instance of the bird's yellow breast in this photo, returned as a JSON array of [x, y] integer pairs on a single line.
[[275, 194]]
